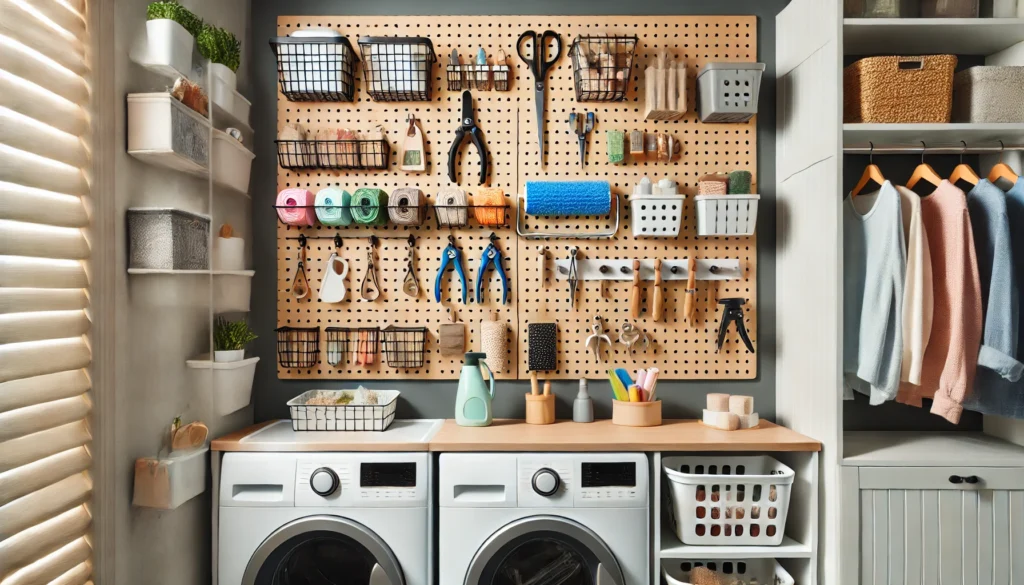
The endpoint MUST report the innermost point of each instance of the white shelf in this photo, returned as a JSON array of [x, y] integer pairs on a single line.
[[671, 548], [934, 135], [145, 271], [919, 449], [905, 36]]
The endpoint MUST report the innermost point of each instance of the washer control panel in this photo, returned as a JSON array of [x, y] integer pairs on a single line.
[[383, 480], [597, 480]]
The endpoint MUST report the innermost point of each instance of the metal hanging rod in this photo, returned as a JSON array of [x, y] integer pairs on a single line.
[[951, 149]]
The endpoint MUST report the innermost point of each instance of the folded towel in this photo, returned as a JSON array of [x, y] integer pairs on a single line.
[[405, 206], [489, 206], [295, 207], [333, 206], [369, 206], [452, 207]]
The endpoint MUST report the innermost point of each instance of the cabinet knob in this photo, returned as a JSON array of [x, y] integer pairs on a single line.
[[971, 479], [955, 479]]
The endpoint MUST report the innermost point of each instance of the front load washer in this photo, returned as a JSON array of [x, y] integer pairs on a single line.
[[314, 518], [517, 518]]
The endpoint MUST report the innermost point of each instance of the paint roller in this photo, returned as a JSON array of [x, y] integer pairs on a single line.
[[565, 198]]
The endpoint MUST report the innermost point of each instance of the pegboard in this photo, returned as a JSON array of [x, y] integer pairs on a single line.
[[508, 123]]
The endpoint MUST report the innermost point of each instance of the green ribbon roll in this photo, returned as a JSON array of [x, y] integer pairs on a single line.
[[370, 206]]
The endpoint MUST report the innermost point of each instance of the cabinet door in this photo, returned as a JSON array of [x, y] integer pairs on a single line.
[[941, 526]]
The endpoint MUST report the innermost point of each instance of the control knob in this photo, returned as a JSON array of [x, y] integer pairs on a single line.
[[323, 481], [546, 482]]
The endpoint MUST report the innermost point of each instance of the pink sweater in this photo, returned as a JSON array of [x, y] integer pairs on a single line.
[[952, 353]]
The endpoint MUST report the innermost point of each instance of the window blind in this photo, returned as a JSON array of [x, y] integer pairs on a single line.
[[45, 486]]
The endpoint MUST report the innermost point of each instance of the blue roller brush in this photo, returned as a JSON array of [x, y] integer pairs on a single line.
[[568, 198]]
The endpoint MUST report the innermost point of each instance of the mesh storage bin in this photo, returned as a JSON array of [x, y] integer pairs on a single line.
[[343, 410], [168, 239], [397, 69], [298, 347], [354, 346], [727, 92], [315, 68], [655, 216], [601, 67], [333, 154], [989, 94], [404, 346], [899, 90]]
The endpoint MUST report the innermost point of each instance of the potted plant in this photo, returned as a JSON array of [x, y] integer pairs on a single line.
[[224, 52], [170, 35], [230, 339]]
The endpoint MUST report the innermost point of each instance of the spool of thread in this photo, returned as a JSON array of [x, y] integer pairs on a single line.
[[568, 198], [489, 206], [494, 343], [369, 206], [295, 207], [452, 207], [405, 206], [333, 206]]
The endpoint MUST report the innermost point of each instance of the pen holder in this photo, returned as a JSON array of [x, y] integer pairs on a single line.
[[633, 414], [540, 409]]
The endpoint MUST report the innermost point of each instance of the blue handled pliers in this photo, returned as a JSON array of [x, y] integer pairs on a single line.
[[491, 256], [448, 255]]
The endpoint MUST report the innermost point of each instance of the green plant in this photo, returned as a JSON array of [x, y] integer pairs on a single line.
[[170, 9], [220, 46], [231, 335]]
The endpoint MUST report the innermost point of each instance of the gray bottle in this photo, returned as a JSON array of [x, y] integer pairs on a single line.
[[583, 406]]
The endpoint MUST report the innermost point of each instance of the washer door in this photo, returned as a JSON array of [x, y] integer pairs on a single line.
[[323, 550], [544, 549]]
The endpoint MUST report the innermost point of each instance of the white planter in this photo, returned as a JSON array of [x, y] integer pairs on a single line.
[[232, 162], [225, 74], [656, 216], [166, 132], [726, 215], [231, 291], [232, 383], [168, 482], [228, 355], [165, 48], [228, 254]]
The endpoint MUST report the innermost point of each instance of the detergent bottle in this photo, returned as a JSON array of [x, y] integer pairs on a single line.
[[473, 400]]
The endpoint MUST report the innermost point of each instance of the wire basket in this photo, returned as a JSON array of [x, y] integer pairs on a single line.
[[404, 346], [167, 239], [397, 69], [333, 154], [478, 77], [315, 69], [601, 67], [356, 346], [343, 410], [298, 347]]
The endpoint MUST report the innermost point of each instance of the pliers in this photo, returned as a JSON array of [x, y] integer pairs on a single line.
[[491, 256], [450, 254], [468, 124]]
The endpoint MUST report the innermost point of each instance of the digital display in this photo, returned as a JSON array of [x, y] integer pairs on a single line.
[[608, 475], [375, 475]]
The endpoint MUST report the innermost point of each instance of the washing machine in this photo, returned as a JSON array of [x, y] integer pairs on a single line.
[[544, 518], [318, 518]]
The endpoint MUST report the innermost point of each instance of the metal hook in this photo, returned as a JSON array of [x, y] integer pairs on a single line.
[[302, 241], [412, 241], [493, 237], [871, 153], [451, 239], [962, 151], [337, 241], [1002, 147], [412, 125], [924, 148], [374, 242]]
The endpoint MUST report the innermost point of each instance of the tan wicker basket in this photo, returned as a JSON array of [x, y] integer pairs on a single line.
[[907, 90]]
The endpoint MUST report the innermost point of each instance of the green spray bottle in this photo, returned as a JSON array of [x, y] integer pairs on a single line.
[[473, 400]]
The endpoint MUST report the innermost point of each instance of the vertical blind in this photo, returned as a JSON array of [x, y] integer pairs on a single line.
[[45, 486]]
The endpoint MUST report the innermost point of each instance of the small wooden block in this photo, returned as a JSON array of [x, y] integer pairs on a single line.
[[741, 404], [726, 421], [718, 402], [749, 421]]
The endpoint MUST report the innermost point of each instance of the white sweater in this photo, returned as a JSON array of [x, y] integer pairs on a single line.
[[917, 288]]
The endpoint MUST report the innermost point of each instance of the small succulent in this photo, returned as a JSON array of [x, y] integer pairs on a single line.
[[170, 9], [220, 46], [231, 335]]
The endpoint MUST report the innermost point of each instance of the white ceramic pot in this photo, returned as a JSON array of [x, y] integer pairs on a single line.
[[232, 355], [225, 74], [167, 49]]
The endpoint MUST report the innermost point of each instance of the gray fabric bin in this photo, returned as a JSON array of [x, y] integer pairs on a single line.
[[168, 239], [881, 8], [727, 92], [949, 8], [989, 94]]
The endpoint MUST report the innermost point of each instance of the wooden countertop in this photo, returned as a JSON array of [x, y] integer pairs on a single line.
[[516, 435]]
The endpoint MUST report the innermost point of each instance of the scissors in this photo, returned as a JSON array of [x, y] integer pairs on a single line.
[[539, 65]]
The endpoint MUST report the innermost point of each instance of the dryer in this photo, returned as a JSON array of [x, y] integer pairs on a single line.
[[516, 518]]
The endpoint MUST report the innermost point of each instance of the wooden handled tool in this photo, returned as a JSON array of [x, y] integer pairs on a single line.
[[534, 387], [547, 387], [635, 305], [541, 257], [657, 290], [689, 304]]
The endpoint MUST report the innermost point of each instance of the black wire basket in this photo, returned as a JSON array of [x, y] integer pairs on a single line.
[[315, 69], [404, 347], [298, 347], [358, 346], [398, 69], [601, 67], [478, 77], [333, 154]]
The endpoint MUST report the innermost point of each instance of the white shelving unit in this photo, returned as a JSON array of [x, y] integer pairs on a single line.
[[934, 135], [905, 36]]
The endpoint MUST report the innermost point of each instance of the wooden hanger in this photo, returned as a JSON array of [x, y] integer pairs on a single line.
[[1002, 170], [924, 171], [871, 173], [964, 172]]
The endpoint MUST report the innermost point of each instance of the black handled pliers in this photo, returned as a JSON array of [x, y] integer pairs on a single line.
[[733, 313], [467, 124]]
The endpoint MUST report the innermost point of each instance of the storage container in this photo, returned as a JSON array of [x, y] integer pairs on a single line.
[[161, 238], [656, 216], [601, 67], [636, 414], [728, 500], [989, 94], [343, 410], [229, 102], [354, 346], [228, 253], [315, 65], [899, 90], [232, 382], [540, 409], [881, 8], [160, 126], [726, 215], [232, 162], [398, 69], [168, 482], [166, 48], [764, 571], [298, 347], [232, 291], [404, 347], [727, 92], [949, 8]]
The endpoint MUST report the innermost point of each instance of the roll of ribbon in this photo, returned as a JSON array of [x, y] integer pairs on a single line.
[[333, 206], [405, 206], [452, 207], [494, 342], [295, 207], [369, 206], [489, 206]]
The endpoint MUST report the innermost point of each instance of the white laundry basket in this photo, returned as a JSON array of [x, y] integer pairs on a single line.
[[765, 571], [726, 215], [729, 500], [656, 216]]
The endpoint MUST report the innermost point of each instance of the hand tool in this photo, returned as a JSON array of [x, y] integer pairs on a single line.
[[448, 255], [300, 283], [410, 285], [539, 65], [491, 257], [593, 342], [689, 303], [656, 311], [369, 290], [733, 313], [574, 279], [582, 124], [630, 335], [635, 303], [467, 124]]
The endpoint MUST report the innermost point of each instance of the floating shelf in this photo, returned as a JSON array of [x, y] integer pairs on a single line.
[[671, 548], [934, 135], [904, 36]]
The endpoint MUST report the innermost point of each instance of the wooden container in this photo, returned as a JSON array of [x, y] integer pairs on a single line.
[[540, 409], [634, 414]]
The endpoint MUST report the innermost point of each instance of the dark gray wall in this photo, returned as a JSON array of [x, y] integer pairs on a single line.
[[436, 399]]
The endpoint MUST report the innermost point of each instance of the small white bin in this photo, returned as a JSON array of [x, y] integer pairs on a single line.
[[232, 162], [726, 215], [231, 291], [656, 216], [164, 131], [765, 571], [168, 482], [229, 101], [165, 48], [727, 92], [232, 382], [729, 500]]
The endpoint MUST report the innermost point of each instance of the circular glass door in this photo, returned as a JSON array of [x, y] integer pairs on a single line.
[[323, 550]]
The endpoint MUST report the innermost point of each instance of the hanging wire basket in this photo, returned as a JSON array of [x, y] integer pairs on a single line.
[[333, 154], [298, 347], [358, 346], [601, 67], [397, 69], [404, 347], [315, 69]]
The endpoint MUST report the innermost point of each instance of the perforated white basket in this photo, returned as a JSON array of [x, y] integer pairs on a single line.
[[726, 215], [766, 571], [656, 216], [719, 500]]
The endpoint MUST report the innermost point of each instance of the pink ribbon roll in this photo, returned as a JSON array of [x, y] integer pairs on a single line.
[[295, 207]]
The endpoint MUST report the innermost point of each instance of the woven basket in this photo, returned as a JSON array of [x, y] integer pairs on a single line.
[[907, 90]]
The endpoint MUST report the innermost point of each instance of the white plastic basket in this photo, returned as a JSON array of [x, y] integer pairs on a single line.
[[656, 216], [729, 500], [351, 410], [727, 92], [765, 571], [232, 382], [726, 215], [232, 162], [168, 482], [165, 131]]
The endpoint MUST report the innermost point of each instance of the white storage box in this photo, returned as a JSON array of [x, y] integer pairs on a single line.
[[231, 291], [228, 253], [232, 382], [166, 48], [765, 571], [727, 92], [168, 482], [232, 162], [729, 500], [726, 215], [229, 102], [164, 131], [343, 410], [656, 216], [989, 94]]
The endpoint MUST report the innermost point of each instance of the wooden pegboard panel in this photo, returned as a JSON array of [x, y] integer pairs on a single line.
[[507, 121]]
